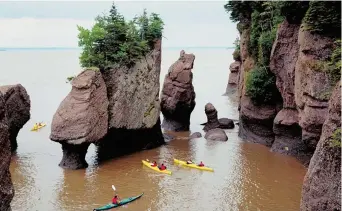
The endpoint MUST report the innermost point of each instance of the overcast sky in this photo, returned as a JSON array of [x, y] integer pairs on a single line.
[[53, 24]]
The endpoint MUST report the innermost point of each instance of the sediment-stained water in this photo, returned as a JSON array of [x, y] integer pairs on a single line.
[[246, 177]]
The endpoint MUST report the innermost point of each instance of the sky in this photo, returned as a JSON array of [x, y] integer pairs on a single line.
[[54, 23]]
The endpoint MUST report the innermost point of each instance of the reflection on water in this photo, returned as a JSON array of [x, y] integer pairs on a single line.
[[247, 176]]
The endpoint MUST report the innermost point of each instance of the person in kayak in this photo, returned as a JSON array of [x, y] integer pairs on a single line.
[[201, 164], [189, 162], [162, 167], [154, 164], [116, 200]]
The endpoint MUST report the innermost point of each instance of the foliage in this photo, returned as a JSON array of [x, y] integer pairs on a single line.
[[114, 41], [236, 53], [336, 138], [324, 17], [265, 44], [261, 86], [239, 9], [294, 11]]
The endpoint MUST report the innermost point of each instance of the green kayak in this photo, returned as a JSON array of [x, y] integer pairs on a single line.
[[122, 202]]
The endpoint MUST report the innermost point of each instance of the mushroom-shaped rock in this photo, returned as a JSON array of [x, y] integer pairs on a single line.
[[216, 134], [178, 95], [81, 119], [6, 186], [18, 106], [195, 135]]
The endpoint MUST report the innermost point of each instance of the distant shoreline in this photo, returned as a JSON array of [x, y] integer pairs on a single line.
[[59, 49]]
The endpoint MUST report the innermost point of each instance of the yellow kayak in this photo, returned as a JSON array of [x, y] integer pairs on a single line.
[[148, 164], [36, 127], [204, 168]]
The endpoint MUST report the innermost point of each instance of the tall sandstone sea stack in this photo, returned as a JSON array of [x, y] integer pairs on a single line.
[[6, 186], [134, 106], [178, 94]]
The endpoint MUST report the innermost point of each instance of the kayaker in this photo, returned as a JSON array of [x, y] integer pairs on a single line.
[[116, 200], [189, 162], [154, 164], [162, 167], [201, 164]]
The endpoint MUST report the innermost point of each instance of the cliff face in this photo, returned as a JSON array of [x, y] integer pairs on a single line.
[[322, 182], [294, 127], [255, 120], [6, 187], [134, 106], [284, 56]]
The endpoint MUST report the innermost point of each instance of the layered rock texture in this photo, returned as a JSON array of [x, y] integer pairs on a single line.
[[212, 120], [6, 186], [178, 95], [322, 183], [134, 106], [294, 125], [18, 105], [81, 118]]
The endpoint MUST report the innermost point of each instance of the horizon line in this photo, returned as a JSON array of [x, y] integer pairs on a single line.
[[78, 48]]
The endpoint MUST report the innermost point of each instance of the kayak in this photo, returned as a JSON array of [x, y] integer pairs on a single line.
[[148, 164], [204, 168], [36, 127], [122, 202]]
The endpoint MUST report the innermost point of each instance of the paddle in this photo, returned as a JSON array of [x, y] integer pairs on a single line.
[[113, 187]]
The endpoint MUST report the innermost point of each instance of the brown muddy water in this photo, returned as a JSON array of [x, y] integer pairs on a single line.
[[247, 176]]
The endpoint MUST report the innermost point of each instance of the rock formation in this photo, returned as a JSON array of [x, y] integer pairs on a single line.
[[195, 135], [81, 118], [322, 182], [288, 133], [216, 134], [18, 107], [178, 95], [234, 72], [134, 106], [6, 186], [311, 85], [212, 120]]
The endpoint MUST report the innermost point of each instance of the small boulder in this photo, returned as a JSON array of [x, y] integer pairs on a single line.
[[195, 135], [216, 134], [226, 123]]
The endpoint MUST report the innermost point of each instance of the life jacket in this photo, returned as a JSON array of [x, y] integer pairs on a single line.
[[115, 200]]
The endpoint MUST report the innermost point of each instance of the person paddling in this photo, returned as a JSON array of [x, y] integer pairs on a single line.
[[189, 162], [115, 199], [154, 164], [201, 164], [162, 167]]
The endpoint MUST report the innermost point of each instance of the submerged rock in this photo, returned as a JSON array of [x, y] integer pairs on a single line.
[[18, 107], [178, 95], [322, 182], [195, 135], [213, 121], [134, 106], [81, 118], [216, 134], [6, 186]]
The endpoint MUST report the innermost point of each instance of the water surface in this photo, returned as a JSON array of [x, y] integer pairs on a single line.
[[247, 176]]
